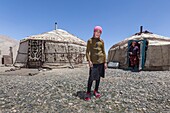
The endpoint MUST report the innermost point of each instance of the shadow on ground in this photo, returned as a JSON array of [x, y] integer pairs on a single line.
[[80, 94]]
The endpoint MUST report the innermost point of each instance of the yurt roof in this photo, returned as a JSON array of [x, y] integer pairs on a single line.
[[153, 39], [58, 35]]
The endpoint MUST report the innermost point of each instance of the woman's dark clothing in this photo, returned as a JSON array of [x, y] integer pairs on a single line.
[[134, 59]]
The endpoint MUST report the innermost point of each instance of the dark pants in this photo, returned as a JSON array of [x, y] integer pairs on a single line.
[[101, 72], [90, 85]]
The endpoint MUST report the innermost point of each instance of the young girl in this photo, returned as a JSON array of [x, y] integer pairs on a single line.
[[96, 57]]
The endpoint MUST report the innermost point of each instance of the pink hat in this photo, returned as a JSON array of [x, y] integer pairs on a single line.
[[98, 28]]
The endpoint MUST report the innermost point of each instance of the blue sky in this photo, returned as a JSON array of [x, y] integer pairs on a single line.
[[119, 18]]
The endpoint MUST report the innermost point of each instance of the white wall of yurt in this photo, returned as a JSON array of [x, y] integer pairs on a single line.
[[22, 56]]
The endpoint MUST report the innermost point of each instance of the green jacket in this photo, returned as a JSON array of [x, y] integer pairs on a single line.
[[95, 51]]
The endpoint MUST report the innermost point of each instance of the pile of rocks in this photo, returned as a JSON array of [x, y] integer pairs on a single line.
[[63, 90]]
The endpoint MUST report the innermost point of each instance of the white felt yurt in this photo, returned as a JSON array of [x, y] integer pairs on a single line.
[[158, 53], [57, 48]]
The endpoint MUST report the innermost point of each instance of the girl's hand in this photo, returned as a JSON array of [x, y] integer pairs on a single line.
[[105, 65], [90, 64]]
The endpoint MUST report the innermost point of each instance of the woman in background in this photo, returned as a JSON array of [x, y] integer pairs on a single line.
[[134, 56]]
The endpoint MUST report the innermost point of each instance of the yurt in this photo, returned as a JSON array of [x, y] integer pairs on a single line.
[[57, 48], [8, 50], [157, 54]]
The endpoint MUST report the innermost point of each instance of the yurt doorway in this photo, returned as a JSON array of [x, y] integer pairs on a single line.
[[35, 53], [137, 54]]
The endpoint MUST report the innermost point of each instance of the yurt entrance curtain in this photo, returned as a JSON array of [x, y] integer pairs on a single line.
[[35, 52], [142, 45]]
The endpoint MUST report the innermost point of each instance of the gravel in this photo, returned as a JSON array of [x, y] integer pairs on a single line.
[[63, 91]]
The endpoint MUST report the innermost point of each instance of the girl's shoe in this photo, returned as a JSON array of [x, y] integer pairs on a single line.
[[87, 98], [97, 94]]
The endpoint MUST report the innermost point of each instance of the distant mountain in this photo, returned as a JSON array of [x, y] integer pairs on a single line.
[[7, 38], [5, 43]]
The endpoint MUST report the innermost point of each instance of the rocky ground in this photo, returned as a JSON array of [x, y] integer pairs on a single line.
[[62, 91]]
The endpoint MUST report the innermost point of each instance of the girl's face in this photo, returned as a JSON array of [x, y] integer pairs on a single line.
[[97, 34]]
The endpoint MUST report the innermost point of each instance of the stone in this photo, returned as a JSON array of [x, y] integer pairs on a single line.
[[62, 91]]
